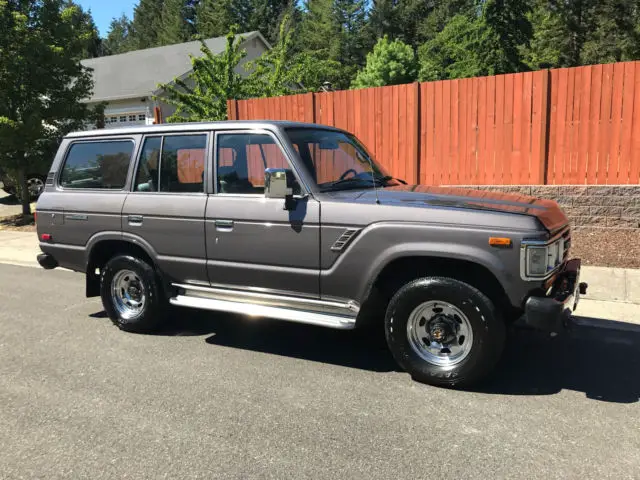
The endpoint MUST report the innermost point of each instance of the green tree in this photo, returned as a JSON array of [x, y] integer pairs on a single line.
[[390, 63], [214, 18], [459, 51], [549, 46], [614, 34], [319, 39], [146, 23], [42, 81], [214, 79], [266, 16], [509, 22], [174, 25], [281, 70], [119, 37]]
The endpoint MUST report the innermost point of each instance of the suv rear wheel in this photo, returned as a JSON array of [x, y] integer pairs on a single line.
[[444, 332], [131, 294]]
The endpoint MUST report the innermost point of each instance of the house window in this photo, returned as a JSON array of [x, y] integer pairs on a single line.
[[123, 118], [132, 118], [142, 117]]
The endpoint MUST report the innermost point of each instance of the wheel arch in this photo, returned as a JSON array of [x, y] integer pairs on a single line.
[[101, 248], [400, 270]]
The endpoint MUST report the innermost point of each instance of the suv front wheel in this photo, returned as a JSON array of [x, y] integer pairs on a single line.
[[131, 294], [444, 332]]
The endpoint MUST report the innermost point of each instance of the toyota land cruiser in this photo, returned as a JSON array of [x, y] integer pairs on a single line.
[[298, 222]]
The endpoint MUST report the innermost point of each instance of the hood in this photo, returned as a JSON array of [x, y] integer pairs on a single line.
[[546, 211]]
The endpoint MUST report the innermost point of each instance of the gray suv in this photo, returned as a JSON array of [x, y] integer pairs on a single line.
[[298, 222]]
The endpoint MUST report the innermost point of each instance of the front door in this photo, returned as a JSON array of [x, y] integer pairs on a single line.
[[166, 206], [253, 243]]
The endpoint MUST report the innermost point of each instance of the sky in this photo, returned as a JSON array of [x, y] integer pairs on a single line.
[[104, 10]]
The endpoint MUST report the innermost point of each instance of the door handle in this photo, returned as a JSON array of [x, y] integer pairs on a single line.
[[135, 219], [224, 225]]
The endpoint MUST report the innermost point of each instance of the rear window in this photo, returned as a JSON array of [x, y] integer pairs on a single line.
[[99, 165]]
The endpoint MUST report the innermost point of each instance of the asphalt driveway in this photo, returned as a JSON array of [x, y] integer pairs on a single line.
[[216, 396]]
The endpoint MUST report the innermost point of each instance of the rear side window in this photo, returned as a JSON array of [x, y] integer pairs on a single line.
[[174, 163], [99, 165]]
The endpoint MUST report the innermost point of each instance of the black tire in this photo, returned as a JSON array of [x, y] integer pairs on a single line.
[[487, 327], [153, 310]]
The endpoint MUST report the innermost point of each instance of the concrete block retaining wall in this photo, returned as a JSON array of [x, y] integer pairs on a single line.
[[593, 206]]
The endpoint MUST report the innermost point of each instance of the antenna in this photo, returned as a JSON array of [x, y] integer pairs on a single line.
[[373, 180]]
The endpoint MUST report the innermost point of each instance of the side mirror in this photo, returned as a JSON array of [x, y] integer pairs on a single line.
[[278, 183]]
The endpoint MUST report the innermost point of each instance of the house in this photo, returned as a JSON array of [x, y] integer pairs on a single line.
[[128, 82]]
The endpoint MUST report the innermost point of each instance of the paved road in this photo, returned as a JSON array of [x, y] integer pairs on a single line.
[[220, 397]]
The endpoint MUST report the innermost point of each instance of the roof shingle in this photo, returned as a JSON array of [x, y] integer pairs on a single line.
[[138, 73]]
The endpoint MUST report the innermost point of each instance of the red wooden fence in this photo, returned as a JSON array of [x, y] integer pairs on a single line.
[[567, 126]]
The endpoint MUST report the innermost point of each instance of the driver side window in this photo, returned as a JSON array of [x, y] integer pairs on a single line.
[[241, 159]]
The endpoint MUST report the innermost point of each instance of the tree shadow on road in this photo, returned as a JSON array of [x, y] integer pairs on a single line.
[[10, 200], [598, 357]]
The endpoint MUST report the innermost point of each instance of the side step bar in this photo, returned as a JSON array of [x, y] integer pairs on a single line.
[[313, 312]]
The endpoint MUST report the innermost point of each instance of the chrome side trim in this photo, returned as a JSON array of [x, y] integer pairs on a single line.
[[256, 310], [332, 307]]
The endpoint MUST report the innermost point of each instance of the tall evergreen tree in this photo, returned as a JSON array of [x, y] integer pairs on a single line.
[[146, 23], [551, 38], [174, 26], [119, 38], [614, 34], [508, 19], [214, 18], [319, 37]]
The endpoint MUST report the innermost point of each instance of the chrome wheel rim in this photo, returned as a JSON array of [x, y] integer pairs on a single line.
[[35, 186], [128, 294], [440, 333]]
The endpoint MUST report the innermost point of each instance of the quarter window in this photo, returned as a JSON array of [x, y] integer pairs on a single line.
[[174, 163], [242, 159], [101, 165]]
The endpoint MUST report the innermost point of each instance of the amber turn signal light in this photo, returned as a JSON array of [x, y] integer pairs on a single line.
[[499, 242]]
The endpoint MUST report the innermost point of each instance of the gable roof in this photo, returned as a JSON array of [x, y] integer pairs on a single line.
[[137, 73]]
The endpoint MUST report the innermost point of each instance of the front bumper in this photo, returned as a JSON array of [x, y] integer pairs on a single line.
[[552, 312]]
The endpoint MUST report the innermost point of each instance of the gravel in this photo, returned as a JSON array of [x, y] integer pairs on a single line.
[[607, 248]]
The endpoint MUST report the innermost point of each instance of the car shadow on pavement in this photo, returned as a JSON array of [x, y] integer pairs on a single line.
[[598, 357], [365, 350]]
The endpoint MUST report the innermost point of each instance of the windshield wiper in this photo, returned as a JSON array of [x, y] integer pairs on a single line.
[[353, 182]]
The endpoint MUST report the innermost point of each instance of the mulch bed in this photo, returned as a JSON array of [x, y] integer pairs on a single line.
[[18, 223], [607, 248]]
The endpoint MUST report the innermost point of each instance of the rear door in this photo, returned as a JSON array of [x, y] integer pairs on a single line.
[[167, 203]]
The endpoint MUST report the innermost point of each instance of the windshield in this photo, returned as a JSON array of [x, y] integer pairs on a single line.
[[337, 160]]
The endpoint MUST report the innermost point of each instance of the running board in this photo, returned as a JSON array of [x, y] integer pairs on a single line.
[[341, 322]]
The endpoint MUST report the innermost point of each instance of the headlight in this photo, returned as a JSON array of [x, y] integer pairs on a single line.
[[540, 260], [537, 261]]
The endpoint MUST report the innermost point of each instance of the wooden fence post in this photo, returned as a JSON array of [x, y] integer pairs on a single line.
[[540, 130], [232, 109]]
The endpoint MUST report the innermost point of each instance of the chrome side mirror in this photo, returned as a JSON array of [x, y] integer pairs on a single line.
[[278, 183]]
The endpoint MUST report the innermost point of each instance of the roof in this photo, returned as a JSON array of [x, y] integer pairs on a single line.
[[195, 127], [138, 73]]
